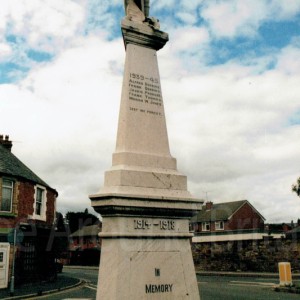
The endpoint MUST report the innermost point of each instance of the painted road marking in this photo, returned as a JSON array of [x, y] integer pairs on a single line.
[[247, 283], [91, 287]]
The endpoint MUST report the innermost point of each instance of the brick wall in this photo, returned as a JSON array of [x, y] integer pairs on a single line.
[[25, 200], [23, 203], [245, 218], [50, 212]]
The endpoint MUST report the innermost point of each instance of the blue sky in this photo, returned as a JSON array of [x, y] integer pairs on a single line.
[[230, 79], [269, 36]]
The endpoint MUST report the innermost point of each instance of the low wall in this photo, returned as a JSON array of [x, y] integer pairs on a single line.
[[254, 256]]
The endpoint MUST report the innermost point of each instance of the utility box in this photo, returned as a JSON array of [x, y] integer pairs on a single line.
[[285, 274], [4, 264]]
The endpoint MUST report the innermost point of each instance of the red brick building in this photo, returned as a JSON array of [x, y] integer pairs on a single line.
[[27, 204], [237, 220], [85, 246], [232, 236]]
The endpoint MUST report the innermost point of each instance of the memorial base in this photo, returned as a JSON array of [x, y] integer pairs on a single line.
[[151, 260]]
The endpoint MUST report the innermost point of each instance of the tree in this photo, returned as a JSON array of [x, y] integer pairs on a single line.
[[296, 187], [77, 220], [58, 241]]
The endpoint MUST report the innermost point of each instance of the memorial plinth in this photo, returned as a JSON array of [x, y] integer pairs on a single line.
[[144, 203]]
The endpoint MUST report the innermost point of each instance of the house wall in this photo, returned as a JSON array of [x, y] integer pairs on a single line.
[[51, 208], [23, 202], [85, 242], [88, 250], [7, 219], [245, 218]]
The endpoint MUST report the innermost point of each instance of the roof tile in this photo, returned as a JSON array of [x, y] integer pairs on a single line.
[[10, 165], [218, 212]]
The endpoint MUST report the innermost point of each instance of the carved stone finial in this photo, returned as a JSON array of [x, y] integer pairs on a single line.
[[134, 12], [138, 11], [153, 22]]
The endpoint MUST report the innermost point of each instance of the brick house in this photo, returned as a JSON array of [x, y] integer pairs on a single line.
[[229, 221], [27, 204], [85, 245]]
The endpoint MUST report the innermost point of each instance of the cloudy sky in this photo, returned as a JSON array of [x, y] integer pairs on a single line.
[[230, 78]]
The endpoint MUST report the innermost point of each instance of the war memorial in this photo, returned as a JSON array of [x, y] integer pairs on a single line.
[[144, 202]]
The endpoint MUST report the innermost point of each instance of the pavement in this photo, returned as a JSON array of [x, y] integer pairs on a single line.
[[33, 290]]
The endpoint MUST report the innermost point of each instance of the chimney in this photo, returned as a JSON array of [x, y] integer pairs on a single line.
[[5, 142], [209, 205]]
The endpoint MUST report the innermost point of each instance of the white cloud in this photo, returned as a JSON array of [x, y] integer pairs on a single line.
[[284, 10], [232, 18], [289, 61], [187, 38], [187, 18], [190, 5], [160, 4], [176, 5], [73, 64], [3, 16], [42, 24], [242, 18], [5, 51]]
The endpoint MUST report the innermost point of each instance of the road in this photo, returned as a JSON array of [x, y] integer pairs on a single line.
[[210, 287], [239, 288], [86, 291]]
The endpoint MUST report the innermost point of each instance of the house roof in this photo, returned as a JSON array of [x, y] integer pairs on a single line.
[[220, 211], [91, 230], [296, 230], [10, 165]]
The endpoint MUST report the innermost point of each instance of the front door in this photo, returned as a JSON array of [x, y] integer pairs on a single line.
[[4, 264]]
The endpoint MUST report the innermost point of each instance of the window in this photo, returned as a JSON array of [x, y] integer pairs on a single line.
[[40, 203], [219, 225], [7, 195], [206, 226]]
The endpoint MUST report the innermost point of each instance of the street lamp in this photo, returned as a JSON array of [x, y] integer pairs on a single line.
[[14, 236]]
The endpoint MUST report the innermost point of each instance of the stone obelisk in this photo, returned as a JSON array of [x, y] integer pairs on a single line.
[[144, 203]]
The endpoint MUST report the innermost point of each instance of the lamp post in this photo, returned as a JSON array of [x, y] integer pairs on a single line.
[[15, 236], [12, 280]]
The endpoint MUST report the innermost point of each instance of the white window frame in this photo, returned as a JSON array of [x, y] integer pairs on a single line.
[[11, 195], [205, 225], [42, 215], [218, 225]]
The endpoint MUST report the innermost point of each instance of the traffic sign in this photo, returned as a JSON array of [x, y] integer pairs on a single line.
[[19, 236]]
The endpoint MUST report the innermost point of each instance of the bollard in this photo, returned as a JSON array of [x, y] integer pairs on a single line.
[[285, 274]]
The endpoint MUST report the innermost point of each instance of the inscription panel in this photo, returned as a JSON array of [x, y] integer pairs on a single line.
[[155, 224], [140, 225], [144, 94], [160, 276]]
